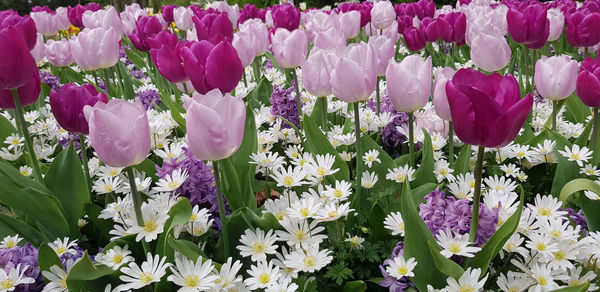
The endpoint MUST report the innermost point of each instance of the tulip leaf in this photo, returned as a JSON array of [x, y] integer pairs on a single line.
[[590, 211], [578, 288], [165, 97], [32, 200], [565, 170], [415, 244], [98, 228], [241, 160], [125, 78], [584, 137], [136, 59], [317, 143], [179, 214], [376, 218], [47, 258], [85, 275], [577, 185], [355, 286], [444, 264], [187, 248], [262, 92], [6, 129], [490, 250], [73, 193], [12, 226], [462, 164], [424, 174], [236, 195], [148, 167], [380, 168], [576, 109]]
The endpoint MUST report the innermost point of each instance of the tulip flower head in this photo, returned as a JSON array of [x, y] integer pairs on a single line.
[[67, 105], [354, 75], [588, 82], [555, 77], [409, 83]]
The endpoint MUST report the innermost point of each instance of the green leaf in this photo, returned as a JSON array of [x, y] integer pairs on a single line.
[[187, 248], [71, 75], [87, 276], [418, 194], [317, 143], [490, 250], [376, 218], [338, 272], [72, 193], [47, 258], [136, 59], [444, 264], [12, 226], [165, 97], [126, 79], [232, 188], [576, 109], [462, 164], [241, 160], [579, 288], [32, 200], [355, 286], [590, 211], [584, 137], [262, 92], [415, 244], [578, 185], [6, 129], [179, 214], [382, 185], [100, 227], [424, 174], [148, 167]]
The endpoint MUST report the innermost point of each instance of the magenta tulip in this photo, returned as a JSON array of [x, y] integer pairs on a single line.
[[452, 27], [583, 29], [25, 26], [354, 76], [588, 82], [440, 99], [96, 48], [146, 27], [382, 14], [529, 26], [167, 12], [75, 13], [119, 131], [384, 49], [414, 39], [28, 93], [429, 27], [67, 105], [212, 66], [232, 11], [289, 48], [486, 110], [555, 77], [215, 125], [16, 62], [209, 25], [285, 16], [166, 54], [316, 72], [409, 83], [58, 53]]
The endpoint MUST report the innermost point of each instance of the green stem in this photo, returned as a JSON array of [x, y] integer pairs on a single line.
[[268, 194], [357, 143], [244, 78], [256, 67], [185, 89], [107, 80], [595, 130], [137, 204], [451, 144], [120, 81], [224, 232], [84, 161], [477, 194], [555, 109], [28, 142], [411, 142], [526, 68], [298, 96], [324, 112], [378, 97]]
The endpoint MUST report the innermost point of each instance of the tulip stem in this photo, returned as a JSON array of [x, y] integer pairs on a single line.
[[411, 142], [378, 97], [137, 204], [555, 109], [596, 121], [268, 190], [477, 194], [28, 142], [526, 68], [256, 69], [324, 112], [450, 144], [107, 78], [224, 232], [298, 96], [357, 143], [84, 161], [185, 89], [244, 77]]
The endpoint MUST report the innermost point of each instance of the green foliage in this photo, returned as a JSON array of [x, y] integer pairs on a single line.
[[339, 273]]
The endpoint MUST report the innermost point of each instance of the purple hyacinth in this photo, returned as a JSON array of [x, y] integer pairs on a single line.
[[65, 257], [390, 135], [51, 80], [285, 104], [64, 142], [578, 219], [26, 255], [147, 97], [440, 213], [389, 281]]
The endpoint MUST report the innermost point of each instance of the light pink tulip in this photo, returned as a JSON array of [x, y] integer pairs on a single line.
[[384, 50], [44, 23], [108, 18], [354, 76], [39, 51], [431, 122], [350, 23], [331, 38], [244, 45], [289, 48], [409, 83], [233, 11], [260, 35], [183, 18], [119, 131], [58, 53], [215, 125], [316, 72], [557, 23], [490, 53], [440, 99], [382, 14], [556, 77], [61, 18], [96, 48]]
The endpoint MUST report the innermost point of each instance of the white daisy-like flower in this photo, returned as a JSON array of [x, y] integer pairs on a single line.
[[290, 177], [10, 241], [546, 207], [394, 223], [333, 211], [300, 233], [543, 277], [355, 241], [107, 184], [577, 154], [368, 179], [371, 156], [257, 244], [25, 170], [341, 191], [456, 244], [443, 171], [400, 174], [227, 275], [63, 246], [304, 209], [262, 275], [154, 223], [190, 276], [400, 268], [510, 170], [469, 281], [591, 195], [546, 151], [115, 257], [14, 141], [109, 171], [57, 277], [513, 281], [541, 243], [14, 278], [321, 167], [151, 271], [309, 260], [590, 170], [347, 156], [171, 182]]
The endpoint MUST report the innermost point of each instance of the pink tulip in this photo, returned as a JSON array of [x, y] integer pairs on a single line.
[[440, 99], [556, 77], [61, 18], [44, 23], [331, 38], [96, 48], [215, 125], [58, 53], [557, 23], [259, 34], [350, 23], [354, 75], [384, 49], [244, 45], [431, 122], [490, 53], [107, 19], [289, 48], [119, 131], [233, 11], [409, 83], [382, 14], [183, 18], [39, 51], [316, 72]]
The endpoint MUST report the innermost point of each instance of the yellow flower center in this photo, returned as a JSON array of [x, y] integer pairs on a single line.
[[150, 226], [288, 181], [61, 250], [7, 284], [542, 281], [401, 177], [454, 247], [259, 247], [541, 246], [332, 214], [172, 184], [514, 289], [112, 172], [402, 271], [279, 215], [192, 281], [63, 282], [108, 188], [304, 212], [337, 193], [556, 233], [117, 259], [300, 234], [10, 244], [321, 171], [466, 288], [264, 278], [544, 211], [309, 261], [146, 278], [559, 255]]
